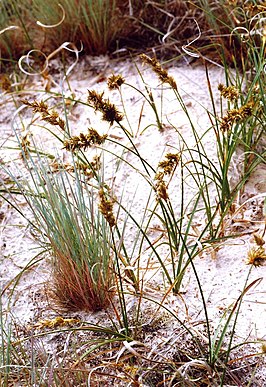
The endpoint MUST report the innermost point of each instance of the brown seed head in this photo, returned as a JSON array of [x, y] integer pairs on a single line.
[[106, 208], [25, 143], [160, 186], [42, 107], [258, 240], [157, 68], [236, 115], [246, 110], [83, 141], [108, 109], [115, 81], [256, 256], [170, 163], [90, 168], [161, 189], [225, 124], [37, 107], [230, 92]]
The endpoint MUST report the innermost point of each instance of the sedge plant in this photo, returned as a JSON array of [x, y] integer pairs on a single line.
[[240, 43], [227, 130], [87, 239], [193, 160], [205, 173]]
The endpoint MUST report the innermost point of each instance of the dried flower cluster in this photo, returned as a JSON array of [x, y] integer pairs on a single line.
[[170, 162], [258, 240], [57, 165], [229, 92], [89, 169], [83, 141], [108, 109], [51, 117], [257, 253], [168, 166], [25, 143], [256, 256], [55, 323], [236, 115], [157, 68], [106, 208], [160, 186], [115, 81]]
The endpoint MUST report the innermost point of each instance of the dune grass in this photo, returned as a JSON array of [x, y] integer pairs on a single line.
[[82, 223], [44, 26]]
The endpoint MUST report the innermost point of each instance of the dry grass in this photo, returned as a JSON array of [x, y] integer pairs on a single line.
[[76, 285], [44, 26], [105, 26]]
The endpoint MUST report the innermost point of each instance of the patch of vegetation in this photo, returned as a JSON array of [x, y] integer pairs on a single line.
[[83, 221]]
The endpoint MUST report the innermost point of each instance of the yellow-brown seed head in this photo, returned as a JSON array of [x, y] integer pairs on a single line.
[[25, 143], [258, 240], [115, 81], [90, 168], [37, 107], [161, 189], [236, 115], [42, 107], [108, 109], [256, 256], [84, 141], [229, 92], [170, 163], [157, 68], [106, 208], [246, 110]]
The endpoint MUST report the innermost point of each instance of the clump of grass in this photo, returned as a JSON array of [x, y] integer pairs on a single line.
[[163, 27], [15, 36], [72, 228], [93, 23], [45, 26], [239, 38], [233, 26], [79, 241]]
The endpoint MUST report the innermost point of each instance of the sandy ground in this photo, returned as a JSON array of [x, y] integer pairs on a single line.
[[222, 274]]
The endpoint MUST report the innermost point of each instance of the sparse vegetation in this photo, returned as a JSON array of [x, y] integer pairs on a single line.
[[115, 276]]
